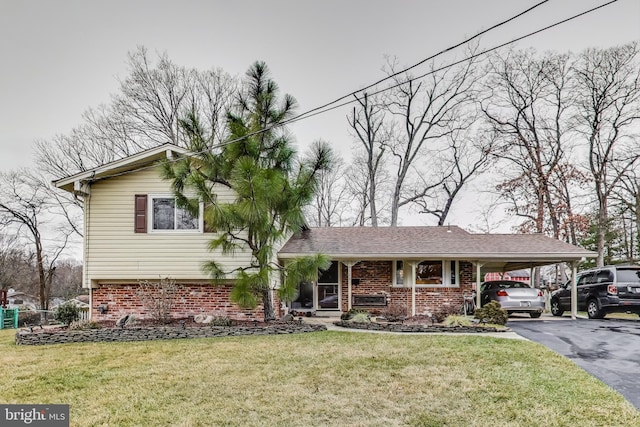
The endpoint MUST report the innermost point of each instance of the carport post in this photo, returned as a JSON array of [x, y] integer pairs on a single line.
[[478, 281], [349, 265], [574, 290]]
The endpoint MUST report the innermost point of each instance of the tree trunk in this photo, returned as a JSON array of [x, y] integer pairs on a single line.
[[267, 304]]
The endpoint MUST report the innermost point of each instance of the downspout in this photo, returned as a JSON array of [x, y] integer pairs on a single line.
[[85, 252]]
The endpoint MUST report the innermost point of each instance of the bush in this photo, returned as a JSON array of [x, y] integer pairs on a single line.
[[445, 311], [457, 320], [221, 321], [395, 312], [351, 313], [83, 325], [492, 313], [67, 313], [28, 318], [158, 298], [360, 318]]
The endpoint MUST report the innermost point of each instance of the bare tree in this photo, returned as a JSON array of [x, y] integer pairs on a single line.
[[466, 155], [11, 261], [146, 112], [608, 101], [427, 113], [367, 122], [330, 206], [527, 109], [408, 127], [24, 209]]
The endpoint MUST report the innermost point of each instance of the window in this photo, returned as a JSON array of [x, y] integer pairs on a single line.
[[428, 273], [399, 273], [165, 215]]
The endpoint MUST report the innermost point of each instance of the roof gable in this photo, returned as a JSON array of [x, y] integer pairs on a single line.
[[127, 164]]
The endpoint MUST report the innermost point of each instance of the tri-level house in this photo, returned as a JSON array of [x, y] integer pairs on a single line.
[[134, 231]]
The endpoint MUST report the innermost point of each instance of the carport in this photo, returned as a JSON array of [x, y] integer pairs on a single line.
[[508, 252]]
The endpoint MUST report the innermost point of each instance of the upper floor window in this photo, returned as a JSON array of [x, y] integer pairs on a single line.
[[162, 214], [166, 215]]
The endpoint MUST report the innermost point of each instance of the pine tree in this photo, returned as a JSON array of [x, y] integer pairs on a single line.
[[259, 163]]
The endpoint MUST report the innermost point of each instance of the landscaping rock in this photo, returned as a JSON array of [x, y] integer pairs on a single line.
[[122, 321], [42, 337]]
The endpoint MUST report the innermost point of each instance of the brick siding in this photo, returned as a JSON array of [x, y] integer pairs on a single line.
[[375, 277], [191, 300]]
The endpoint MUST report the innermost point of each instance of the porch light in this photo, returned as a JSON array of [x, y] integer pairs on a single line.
[[103, 308]]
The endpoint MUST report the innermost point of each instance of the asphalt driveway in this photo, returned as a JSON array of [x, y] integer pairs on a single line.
[[608, 349]]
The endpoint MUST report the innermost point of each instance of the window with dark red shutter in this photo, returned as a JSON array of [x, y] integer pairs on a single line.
[[141, 213]]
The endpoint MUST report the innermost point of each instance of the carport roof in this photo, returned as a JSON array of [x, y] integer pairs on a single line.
[[495, 252]]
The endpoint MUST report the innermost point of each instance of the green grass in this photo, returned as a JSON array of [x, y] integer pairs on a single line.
[[324, 379]]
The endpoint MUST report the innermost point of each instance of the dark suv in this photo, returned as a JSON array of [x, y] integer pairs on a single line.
[[609, 289]]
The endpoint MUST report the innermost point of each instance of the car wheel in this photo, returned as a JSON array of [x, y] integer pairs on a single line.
[[593, 310], [556, 309], [535, 314]]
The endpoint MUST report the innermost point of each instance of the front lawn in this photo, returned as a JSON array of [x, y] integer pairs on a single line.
[[322, 378]]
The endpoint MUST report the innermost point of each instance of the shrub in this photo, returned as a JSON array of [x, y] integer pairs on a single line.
[[360, 318], [395, 312], [158, 298], [221, 321], [82, 325], [445, 311], [457, 320], [67, 313], [349, 314], [492, 313], [28, 318]]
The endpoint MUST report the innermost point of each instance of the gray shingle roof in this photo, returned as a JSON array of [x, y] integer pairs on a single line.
[[428, 242]]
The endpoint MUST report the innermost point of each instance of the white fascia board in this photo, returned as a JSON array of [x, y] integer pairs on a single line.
[[124, 164], [538, 257]]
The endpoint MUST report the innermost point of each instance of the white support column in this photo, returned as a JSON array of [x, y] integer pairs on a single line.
[[478, 281], [412, 280], [349, 265], [574, 290]]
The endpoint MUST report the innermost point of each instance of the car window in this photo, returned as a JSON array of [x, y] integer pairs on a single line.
[[517, 285], [628, 275], [584, 279], [603, 276]]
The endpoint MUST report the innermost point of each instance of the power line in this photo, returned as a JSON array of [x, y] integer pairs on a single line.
[[449, 49], [484, 52], [329, 106]]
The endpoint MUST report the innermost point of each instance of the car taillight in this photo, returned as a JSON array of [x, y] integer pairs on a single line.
[[502, 293], [612, 289], [540, 294]]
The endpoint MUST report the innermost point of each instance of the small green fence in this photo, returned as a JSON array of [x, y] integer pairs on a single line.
[[8, 318]]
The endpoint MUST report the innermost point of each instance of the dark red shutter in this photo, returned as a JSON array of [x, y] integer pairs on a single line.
[[141, 213]]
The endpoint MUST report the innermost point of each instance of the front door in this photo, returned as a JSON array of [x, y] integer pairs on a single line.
[[328, 289], [325, 295]]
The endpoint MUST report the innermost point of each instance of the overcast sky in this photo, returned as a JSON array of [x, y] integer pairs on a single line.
[[61, 57]]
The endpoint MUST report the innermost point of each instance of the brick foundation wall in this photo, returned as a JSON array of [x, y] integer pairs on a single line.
[[191, 300], [375, 277]]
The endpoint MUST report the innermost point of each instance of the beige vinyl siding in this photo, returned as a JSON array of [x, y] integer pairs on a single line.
[[115, 253]]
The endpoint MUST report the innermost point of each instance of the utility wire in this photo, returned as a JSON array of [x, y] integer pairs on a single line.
[[329, 106], [449, 49], [317, 111]]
